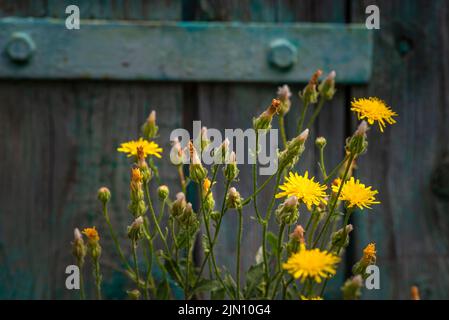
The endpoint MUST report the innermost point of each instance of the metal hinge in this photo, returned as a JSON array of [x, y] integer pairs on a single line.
[[34, 48]]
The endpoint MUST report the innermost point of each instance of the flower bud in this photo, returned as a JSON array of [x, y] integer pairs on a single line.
[[221, 153], [163, 192], [263, 122], [178, 205], [320, 142], [284, 95], [188, 218], [149, 128], [337, 237], [368, 258], [357, 144], [78, 247], [209, 202], [133, 294], [298, 234], [414, 293], [93, 242], [310, 94], [104, 195], [204, 138], [352, 288], [287, 213], [197, 171], [137, 204], [293, 151], [231, 171], [327, 87], [135, 231], [233, 199], [176, 153]]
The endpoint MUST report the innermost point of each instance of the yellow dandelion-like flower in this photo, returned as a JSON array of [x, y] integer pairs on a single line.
[[206, 186], [92, 234], [355, 193], [313, 264], [369, 253], [149, 148], [306, 190], [373, 109], [311, 298]]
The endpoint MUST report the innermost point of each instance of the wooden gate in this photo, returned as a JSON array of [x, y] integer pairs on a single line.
[[66, 106]]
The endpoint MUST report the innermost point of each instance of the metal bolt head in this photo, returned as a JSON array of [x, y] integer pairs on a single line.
[[20, 47], [282, 54]]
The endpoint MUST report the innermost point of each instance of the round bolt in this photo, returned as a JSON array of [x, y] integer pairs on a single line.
[[20, 47], [283, 54]]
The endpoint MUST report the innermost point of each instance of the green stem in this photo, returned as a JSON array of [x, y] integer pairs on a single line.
[[186, 284], [322, 166], [279, 255], [334, 203], [335, 170], [302, 118], [136, 265], [248, 200], [114, 237], [239, 240], [97, 278], [316, 112], [82, 293], [264, 233], [255, 176], [214, 240], [282, 129]]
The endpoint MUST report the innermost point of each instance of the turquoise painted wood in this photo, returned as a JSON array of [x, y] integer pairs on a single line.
[[183, 51]]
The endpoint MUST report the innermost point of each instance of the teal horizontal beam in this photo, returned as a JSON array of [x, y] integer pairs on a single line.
[[34, 48]]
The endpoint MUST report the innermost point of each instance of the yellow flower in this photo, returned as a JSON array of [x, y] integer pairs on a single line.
[[148, 147], [92, 234], [313, 264], [206, 186], [305, 189], [369, 253], [373, 109], [311, 298], [355, 193]]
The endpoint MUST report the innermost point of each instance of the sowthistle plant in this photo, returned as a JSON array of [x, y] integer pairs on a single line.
[[294, 264]]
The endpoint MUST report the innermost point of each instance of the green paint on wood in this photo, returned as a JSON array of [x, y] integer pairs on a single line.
[[187, 51]]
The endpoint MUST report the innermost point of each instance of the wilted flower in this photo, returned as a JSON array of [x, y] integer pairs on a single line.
[[327, 86], [197, 171], [287, 212], [310, 94], [135, 231], [291, 154], [233, 199], [284, 95], [78, 247], [149, 128], [231, 171], [352, 288], [263, 122]]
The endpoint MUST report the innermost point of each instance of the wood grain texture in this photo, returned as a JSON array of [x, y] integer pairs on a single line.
[[59, 143], [410, 227]]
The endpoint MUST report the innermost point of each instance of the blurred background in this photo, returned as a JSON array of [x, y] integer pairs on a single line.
[[59, 129]]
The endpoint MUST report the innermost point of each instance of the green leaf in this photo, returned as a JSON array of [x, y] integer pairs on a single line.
[[218, 294], [273, 241], [163, 291], [206, 285], [254, 277]]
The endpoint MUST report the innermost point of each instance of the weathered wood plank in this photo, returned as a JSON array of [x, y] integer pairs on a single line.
[[410, 74], [59, 146], [233, 106]]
